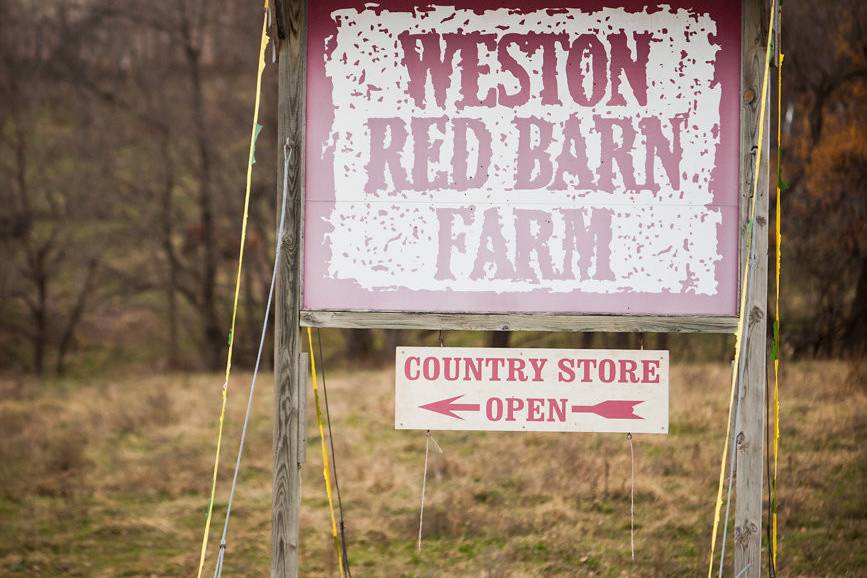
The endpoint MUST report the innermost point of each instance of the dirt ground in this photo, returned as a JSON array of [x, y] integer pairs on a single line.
[[110, 478]]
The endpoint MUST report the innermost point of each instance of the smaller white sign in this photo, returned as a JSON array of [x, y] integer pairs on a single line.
[[559, 390]]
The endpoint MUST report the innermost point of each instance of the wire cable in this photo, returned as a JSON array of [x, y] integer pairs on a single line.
[[631, 496], [423, 488], [333, 458], [218, 570]]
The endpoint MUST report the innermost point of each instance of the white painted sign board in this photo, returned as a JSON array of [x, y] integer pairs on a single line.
[[522, 156], [555, 390]]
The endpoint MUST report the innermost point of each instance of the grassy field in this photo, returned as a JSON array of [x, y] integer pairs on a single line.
[[109, 478]]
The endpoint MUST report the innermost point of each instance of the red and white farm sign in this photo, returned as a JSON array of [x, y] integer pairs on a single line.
[[575, 390], [521, 156]]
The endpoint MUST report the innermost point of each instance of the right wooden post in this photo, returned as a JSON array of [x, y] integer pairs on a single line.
[[750, 426]]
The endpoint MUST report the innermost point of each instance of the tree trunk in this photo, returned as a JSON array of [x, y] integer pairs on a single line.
[[498, 338], [40, 320], [213, 336], [856, 336], [75, 317], [359, 345], [35, 265], [662, 340], [167, 217], [391, 338], [251, 311]]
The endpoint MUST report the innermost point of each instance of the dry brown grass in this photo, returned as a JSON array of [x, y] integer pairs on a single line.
[[110, 478]]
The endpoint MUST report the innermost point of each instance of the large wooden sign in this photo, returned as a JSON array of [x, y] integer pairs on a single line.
[[580, 165], [558, 156], [565, 390]]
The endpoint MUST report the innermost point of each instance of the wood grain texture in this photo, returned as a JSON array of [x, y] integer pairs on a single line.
[[286, 490], [517, 322], [750, 427]]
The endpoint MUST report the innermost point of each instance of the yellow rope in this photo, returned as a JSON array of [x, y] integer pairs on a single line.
[[744, 286], [778, 261], [225, 390], [325, 468]]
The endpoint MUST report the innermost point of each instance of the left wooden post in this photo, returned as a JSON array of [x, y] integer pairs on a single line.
[[288, 390]]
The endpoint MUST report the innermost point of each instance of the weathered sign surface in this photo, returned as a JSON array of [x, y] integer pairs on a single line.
[[576, 390], [522, 156]]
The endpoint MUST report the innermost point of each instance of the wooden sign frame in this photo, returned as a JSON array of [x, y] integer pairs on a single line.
[[388, 309], [288, 31]]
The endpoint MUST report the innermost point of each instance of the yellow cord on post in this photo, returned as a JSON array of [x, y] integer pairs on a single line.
[[744, 286], [778, 237], [263, 43], [326, 472]]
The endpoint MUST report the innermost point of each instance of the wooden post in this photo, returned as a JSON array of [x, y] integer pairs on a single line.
[[286, 490], [750, 427]]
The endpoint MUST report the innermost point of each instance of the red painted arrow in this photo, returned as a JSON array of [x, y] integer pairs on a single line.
[[611, 409], [448, 407]]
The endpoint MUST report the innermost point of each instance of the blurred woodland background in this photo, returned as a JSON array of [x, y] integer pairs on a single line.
[[123, 144]]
